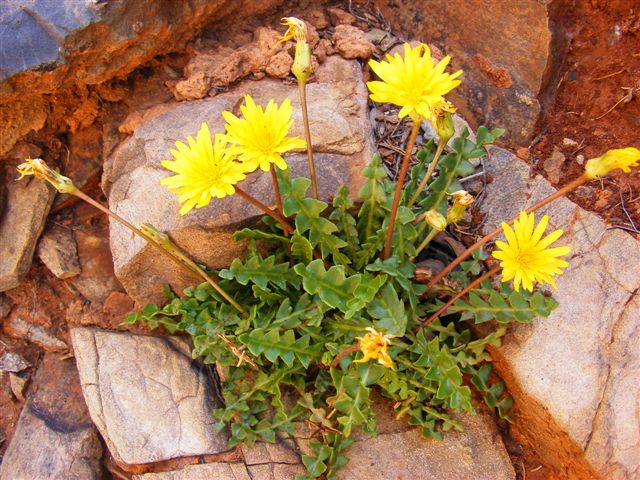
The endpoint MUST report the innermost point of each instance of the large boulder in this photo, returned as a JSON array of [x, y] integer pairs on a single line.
[[342, 140], [575, 374], [508, 58]]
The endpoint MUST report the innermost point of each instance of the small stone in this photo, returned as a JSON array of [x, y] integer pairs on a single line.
[[569, 143], [351, 42], [317, 18], [36, 334], [58, 251], [118, 304], [17, 384], [193, 88], [148, 399], [280, 65], [553, 165], [26, 206], [580, 159], [339, 17], [12, 362]]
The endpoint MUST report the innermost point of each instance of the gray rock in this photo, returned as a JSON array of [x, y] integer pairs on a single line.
[[27, 205], [58, 251], [148, 400], [54, 438], [273, 461], [575, 374], [35, 334], [217, 471], [341, 135], [12, 362]]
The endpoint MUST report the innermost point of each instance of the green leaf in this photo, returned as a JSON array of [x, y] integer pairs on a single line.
[[261, 272], [342, 203], [332, 286], [437, 200], [273, 346], [301, 248], [373, 197], [388, 311], [252, 234]]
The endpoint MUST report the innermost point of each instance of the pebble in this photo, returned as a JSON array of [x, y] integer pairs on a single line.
[[12, 362], [580, 159], [569, 143]]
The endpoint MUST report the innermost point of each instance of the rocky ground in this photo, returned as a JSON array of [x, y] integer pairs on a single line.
[[74, 381]]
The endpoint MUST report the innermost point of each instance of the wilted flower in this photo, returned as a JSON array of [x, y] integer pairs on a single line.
[[39, 169], [622, 158], [461, 200], [260, 137], [414, 83], [435, 220], [526, 256], [204, 170], [297, 30], [374, 346]]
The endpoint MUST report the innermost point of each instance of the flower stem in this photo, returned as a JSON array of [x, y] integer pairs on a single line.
[[399, 185], [427, 240], [302, 89], [258, 204], [491, 235], [427, 176], [459, 295], [276, 188], [344, 353], [174, 253]]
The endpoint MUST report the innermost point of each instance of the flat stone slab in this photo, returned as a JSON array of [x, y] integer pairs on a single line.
[[217, 471], [342, 139], [146, 397], [54, 438], [575, 375]]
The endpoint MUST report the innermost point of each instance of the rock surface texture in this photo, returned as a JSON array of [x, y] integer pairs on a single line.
[[503, 80], [342, 139], [47, 46], [575, 374], [23, 214], [55, 438], [149, 402]]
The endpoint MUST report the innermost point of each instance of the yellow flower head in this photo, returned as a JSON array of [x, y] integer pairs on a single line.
[[525, 257], [204, 170], [374, 346], [622, 158], [297, 29], [39, 169], [462, 198], [260, 137], [414, 83]]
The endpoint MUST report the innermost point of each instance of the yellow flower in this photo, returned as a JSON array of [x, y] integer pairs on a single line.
[[414, 83], [435, 220], [374, 346], [39, 169], [525, 257], [260, 137], [297, 29], [204, 170], [622, 158]]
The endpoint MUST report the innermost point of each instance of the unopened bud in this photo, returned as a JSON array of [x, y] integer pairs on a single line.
[[444, 126], [436, 220], [301, 67]]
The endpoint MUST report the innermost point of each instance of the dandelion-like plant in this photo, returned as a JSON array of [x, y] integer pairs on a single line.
[[526, 257], [415, 83], [260, 138], [374, 347], [204, 169]]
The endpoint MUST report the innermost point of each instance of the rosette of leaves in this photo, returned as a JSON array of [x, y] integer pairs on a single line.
[[313, 292]]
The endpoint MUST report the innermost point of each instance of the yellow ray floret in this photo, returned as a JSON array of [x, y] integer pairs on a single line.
[[260, 138], [374, 346], [414, 83], [526, 257], [622, 158], [204, 170]]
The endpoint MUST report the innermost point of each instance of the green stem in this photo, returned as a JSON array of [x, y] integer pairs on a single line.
[[430, 236], [276, 188], [427, 176], [302, 89], [174, 253], [399, 186]]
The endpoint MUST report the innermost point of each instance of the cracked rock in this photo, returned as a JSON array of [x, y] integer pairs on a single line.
[[342, 139], [148, 400], [54, 437], [577, 372], [58, 251], [217, 471]]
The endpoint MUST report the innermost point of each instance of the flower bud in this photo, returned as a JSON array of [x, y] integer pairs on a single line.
[[39, 169], [444, 126], [436, 220], [301, 67], [622, 158]]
